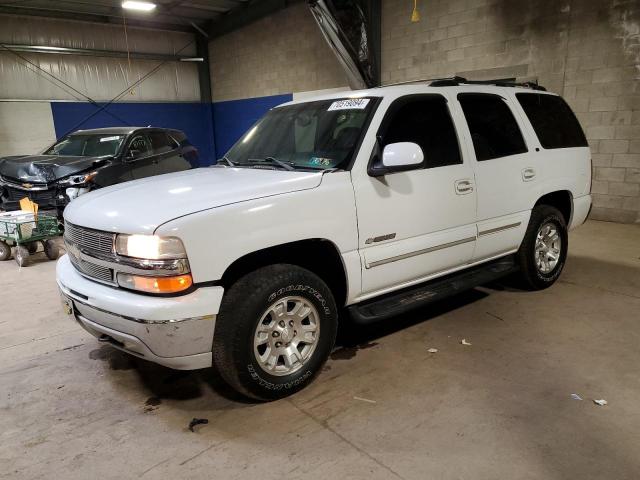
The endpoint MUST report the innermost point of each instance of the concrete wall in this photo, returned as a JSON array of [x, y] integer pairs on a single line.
[[282, 53], [25, 127], [587, 50]]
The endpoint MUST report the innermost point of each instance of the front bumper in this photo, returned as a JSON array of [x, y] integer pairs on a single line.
[[52, 198], [176, 332]]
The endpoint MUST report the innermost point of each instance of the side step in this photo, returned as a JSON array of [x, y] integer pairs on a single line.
[[400, 302]]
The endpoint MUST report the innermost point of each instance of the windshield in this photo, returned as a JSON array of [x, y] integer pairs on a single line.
[[312, 135], [87, 145]]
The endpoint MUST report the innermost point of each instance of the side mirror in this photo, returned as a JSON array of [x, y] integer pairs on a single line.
[[397, 157]]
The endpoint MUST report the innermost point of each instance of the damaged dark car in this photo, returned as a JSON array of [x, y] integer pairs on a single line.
[[90, 159]]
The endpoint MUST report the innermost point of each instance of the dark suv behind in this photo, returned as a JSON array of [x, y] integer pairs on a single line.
[[89, 159]]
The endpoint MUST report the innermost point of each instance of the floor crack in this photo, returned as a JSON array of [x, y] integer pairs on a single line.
[[326, 426]]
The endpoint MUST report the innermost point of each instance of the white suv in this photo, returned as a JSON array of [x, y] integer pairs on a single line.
[[362, 204]]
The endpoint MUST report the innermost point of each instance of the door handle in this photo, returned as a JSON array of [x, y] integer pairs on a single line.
[[528, 174], [464, 186]]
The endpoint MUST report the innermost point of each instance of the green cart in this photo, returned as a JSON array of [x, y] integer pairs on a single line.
[[24, 231]]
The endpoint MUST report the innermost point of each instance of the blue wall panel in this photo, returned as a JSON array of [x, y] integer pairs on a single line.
[[234, 117], [195, 119]]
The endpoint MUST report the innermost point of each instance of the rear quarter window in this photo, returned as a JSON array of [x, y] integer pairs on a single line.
[[553, 121]]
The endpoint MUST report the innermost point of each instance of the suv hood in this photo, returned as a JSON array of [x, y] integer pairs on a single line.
[[141, 206], [44, 168]]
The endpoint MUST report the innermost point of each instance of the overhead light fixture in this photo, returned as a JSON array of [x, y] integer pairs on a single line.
[[140, 6]]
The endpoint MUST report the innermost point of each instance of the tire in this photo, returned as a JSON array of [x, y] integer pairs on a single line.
[[5, 251], [21, 256], [536, 274], [32, 247], [51, 249], [256, 300]]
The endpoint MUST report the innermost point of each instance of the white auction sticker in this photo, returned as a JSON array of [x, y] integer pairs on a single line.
[[110, 139], [351, 104]]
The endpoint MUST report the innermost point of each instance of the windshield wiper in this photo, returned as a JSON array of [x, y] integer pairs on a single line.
[[275, 161]]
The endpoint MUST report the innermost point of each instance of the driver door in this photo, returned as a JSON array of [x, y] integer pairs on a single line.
[[419, 223]]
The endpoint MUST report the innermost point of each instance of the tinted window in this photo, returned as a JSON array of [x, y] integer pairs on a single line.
[[427, 122], [553, 121], [161, 143], [494, 130], [140, 146]]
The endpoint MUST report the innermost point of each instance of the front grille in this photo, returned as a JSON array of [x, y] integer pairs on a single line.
[[82, 242], [90, 241], [38, 196], [92, 270]]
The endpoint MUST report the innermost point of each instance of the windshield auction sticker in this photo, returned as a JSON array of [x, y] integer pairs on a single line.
[[351, 104]]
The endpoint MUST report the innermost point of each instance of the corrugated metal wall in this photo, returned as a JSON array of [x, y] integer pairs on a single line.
[[100, 78]]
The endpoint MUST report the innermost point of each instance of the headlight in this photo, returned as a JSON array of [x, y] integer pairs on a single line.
[[78, 179], [150, 247]]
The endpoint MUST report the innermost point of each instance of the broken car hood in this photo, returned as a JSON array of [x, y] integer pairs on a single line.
[[141, 206], [44, 168]]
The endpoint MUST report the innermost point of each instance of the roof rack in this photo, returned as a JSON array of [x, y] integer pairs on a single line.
[[456, 81], [503, 82]]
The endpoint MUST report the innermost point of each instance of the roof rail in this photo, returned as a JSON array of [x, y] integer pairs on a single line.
[[502, 82], [420, 80], [456, 81]]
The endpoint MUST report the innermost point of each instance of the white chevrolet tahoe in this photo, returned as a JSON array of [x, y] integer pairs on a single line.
[[359, 205]]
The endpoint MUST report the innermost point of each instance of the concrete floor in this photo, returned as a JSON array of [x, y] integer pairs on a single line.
[[384, 408]]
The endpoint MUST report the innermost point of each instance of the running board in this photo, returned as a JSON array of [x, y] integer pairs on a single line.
[[397, 303]]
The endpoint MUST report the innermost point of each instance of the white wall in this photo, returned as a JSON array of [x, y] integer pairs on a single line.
[[25, 127]]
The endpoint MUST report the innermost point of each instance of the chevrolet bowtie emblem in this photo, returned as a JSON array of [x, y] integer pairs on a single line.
[[27, 185]]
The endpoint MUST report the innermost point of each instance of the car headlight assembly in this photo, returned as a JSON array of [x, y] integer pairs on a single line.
[[77, 180], [161, 262]]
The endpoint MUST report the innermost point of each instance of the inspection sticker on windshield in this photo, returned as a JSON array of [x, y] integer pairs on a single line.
[[351, 104], [110, 139]]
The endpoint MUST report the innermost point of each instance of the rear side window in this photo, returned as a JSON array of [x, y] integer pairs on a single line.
[[494, 130], [553, 121], [161, 142], [424, 120]]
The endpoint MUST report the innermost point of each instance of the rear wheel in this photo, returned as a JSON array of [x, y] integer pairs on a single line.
[[21, 256], [32, 247], [5, 251], [543, 251], [276, 328], [51, 249]]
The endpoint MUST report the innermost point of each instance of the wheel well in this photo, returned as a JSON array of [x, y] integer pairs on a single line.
[[560, 200], [317, 255]]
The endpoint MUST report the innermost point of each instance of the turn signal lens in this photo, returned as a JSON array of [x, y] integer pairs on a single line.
[[155, 284]]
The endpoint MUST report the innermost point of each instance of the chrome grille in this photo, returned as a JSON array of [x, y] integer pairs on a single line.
[[88, 240], [92, 270]]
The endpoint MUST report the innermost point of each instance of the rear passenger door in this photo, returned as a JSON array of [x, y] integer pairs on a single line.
[[418, 223], [167, 153], [504, 173]]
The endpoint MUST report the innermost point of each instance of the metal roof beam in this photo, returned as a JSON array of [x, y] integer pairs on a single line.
[[246, 14]]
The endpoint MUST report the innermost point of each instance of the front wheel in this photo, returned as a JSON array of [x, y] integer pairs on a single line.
[[21, 255], [276, 328], [543, 251]]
